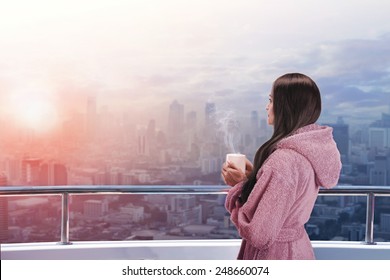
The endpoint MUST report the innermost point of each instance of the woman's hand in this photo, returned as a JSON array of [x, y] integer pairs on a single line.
[[232, 175]]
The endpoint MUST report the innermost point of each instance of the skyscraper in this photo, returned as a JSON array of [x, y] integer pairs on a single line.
[[142, 141], [378, 138], [210, 113], [255, 123], [151, 138], [151, 131], [210, 121], [190, 133], [175, 122], [191, 121], [13, 170], [341, 137], [53, 174], [379, 133], [380, 173], [31, 171], [184, 211]]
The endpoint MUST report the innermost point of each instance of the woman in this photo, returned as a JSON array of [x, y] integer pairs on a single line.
[[271, 203]]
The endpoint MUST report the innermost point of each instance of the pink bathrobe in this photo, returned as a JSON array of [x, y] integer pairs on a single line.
[[271, 223]]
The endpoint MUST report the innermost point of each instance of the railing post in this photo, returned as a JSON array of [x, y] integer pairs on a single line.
[[370, 219], [65, 220]]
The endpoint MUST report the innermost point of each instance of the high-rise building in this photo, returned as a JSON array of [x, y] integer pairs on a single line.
[[151, 131], [142, 141], [253, 136], [151, 137], [53, 174], [263, 124], [136, 213], [210, 113], [385, 222], [175, 122], [101, 178], [60, 174], [379, 133], [383, 122], [255, 123], [116, 177], [379, 138], [210, 121], [184, 211], [3, 212], [191, 134], [13, 169], [211, 164], [341, 137], [380, 173], [183, 202], [191, 121], [31, 171], [95, 209], [379, 144]]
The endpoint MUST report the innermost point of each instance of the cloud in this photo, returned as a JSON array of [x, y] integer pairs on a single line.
[[227, 53], [353, 75]]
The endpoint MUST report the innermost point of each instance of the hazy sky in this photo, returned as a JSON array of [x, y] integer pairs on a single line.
[[142, 54]]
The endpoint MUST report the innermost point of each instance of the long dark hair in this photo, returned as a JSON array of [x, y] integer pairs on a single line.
[[296, 103]]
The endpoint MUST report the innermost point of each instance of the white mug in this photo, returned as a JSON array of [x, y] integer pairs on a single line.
[[238, 160]]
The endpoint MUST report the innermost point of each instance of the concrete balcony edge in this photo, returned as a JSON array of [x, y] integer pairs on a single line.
[[177, 249]]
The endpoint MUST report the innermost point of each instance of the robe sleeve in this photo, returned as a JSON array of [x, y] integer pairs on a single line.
[[232, 198], [261, 218]]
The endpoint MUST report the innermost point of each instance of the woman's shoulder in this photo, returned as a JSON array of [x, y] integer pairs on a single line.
[[285, 161], [284, 156], [285, 165]]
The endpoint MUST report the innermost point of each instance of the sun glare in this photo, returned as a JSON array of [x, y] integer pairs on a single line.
[[33, 111]]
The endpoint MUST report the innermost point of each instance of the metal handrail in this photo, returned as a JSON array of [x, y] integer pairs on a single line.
[[370, 191], [175, 189]]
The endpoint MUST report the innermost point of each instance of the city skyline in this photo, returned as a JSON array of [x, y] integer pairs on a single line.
[[114, 143]]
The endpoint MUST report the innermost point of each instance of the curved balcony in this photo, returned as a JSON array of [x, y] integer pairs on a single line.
[[66, 248]]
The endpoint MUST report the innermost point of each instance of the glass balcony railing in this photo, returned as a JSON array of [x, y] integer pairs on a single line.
[[218, 238], [369, 193]]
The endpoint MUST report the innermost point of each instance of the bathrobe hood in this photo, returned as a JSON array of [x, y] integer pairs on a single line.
[[316, 144]]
